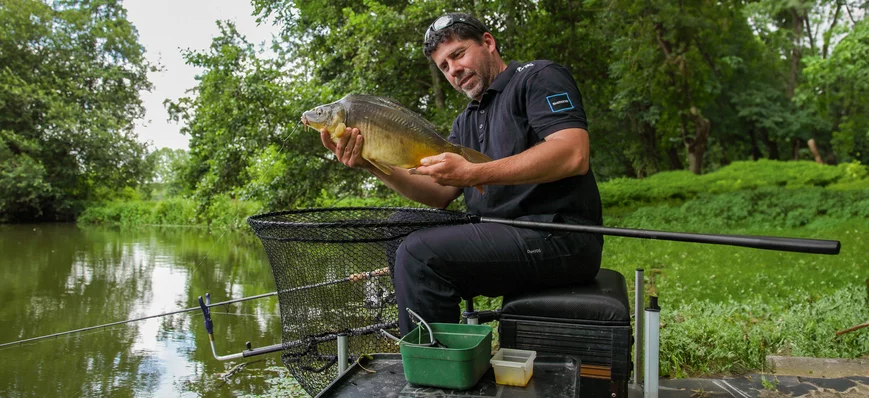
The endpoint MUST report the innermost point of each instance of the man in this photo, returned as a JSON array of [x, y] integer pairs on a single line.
[[528, 117]]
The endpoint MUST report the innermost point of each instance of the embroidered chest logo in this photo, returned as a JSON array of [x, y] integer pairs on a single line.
[[523, 67], [559, 102]]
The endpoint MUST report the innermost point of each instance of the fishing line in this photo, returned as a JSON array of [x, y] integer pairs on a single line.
[[352, 278], [90, 328], [196, 268]]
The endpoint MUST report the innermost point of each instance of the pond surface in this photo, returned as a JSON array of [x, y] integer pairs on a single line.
[[61, 277]]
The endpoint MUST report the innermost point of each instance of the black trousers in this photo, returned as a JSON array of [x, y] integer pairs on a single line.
[[435, 268]]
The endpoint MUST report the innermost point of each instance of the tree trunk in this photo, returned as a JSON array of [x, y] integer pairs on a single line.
[[628, 167], [649, 138], [795, 148], [815, 152], [675, 160], [755, 151], [696, 146], [771, 146], [437, 90], [795, 52]]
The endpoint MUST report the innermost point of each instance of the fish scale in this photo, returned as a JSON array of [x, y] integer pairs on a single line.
[[394, 135]]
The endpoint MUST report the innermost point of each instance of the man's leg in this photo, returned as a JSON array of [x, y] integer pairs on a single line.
[[435, 268]]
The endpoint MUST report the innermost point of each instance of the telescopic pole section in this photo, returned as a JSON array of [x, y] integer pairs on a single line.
[[799, 245], [470, 315], [653, 337], [342, 353], [639, 294]]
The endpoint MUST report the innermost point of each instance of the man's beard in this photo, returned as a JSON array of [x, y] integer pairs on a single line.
[[484, 80], [476, 90]]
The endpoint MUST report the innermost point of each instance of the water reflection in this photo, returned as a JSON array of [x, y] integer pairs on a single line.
[[59, 277]]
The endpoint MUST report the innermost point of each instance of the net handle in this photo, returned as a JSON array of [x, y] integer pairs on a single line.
[[798, 245]]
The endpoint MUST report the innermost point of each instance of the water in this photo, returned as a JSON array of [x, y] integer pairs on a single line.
[[59, 277]]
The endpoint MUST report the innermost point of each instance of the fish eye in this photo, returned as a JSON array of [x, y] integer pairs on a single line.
[[319, 111]]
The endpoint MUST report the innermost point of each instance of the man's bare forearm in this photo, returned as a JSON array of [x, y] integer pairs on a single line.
[[417, 188]]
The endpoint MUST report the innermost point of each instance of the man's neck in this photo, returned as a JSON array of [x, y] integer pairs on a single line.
[[501, 67]]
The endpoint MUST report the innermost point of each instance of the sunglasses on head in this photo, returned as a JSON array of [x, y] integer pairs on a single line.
[[449, 20]]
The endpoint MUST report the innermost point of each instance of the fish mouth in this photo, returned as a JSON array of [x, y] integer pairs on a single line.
[[304, 121]]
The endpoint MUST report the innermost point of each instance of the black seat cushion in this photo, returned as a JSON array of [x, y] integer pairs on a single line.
[[603, 302]]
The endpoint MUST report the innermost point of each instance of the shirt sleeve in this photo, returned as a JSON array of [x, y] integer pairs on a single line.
[[553, 101]]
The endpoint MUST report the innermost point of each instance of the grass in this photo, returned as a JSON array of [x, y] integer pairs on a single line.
[[725, 308]]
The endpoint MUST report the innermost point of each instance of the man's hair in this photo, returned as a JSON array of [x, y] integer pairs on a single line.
[[469, 28]]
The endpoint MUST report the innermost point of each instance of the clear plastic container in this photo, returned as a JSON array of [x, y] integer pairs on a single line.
[[513, 367]]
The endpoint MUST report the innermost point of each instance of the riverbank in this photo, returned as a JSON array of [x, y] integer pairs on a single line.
[[724, 308]]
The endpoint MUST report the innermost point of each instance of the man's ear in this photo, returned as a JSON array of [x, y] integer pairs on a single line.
[[489, 42]]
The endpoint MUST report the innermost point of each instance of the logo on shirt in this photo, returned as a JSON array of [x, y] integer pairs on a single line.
[[523, 67], [559, 102]]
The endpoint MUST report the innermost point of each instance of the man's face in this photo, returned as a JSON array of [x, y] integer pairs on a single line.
[[470, 67]]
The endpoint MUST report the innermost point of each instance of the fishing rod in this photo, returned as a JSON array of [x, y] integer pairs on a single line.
[[351, 278], [209, 325], [799, 245]]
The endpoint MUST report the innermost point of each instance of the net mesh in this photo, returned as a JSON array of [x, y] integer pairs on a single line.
[[332, 269]]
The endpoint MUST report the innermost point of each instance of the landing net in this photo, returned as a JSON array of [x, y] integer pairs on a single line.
[[332, 269]]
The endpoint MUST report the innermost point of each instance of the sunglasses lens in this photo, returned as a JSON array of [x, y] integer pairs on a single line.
[[441, 23]]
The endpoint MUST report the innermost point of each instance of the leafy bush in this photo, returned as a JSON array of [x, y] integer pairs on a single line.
[[174, 211], [776, 207], [706, 337], [744, 175]]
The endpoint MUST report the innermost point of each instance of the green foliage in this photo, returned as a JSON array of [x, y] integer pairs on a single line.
[[173, 211], [838, 91], [681, 185], [773, 207], [226, 212], [706, 337], [222, 212], [166, 165], [666, 85], [69, 91]]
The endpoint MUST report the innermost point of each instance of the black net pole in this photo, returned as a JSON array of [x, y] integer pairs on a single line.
[[799, 245]]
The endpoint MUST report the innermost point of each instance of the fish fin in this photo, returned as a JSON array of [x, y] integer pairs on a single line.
[[474, 156], [384, 168], [339, 131], [480, 188]]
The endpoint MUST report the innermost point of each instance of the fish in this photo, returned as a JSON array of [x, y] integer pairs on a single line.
[[394, 135]]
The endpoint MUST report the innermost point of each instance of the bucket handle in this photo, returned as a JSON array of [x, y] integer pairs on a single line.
[[424, 323]]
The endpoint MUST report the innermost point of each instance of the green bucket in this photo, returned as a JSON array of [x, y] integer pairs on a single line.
[[459, 366]]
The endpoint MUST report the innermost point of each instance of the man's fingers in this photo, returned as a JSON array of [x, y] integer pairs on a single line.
[[326, 138], [428, 161], [342, 143], [357, 149]]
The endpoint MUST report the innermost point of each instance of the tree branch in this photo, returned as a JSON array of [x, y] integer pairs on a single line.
[[830, 31]]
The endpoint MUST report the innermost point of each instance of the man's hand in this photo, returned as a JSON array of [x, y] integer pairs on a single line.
[[447, 169], [348, 150]]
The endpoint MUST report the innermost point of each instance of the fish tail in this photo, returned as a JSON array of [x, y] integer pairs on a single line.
[[474, 156]]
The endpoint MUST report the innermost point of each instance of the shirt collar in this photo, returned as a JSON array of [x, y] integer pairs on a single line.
[[504, 77]]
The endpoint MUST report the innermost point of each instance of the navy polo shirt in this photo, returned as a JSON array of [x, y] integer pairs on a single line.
[[527, 102]]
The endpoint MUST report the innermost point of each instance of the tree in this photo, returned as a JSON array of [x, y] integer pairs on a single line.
[[837, 90], [672, 61], [69, 90], [166, 165]]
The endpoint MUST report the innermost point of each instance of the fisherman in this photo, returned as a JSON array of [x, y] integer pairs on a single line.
[[529, 118]]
